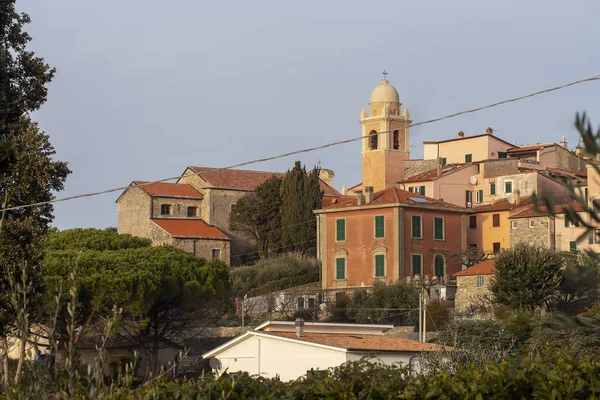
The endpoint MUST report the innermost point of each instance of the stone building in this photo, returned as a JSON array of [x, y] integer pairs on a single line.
[[473, 288], [194, 213], [169, 213]]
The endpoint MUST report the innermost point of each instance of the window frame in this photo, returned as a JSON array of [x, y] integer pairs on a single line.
[[573, 248], [382, 219], [218, 252], [479, 281], [345, 277], [492, 189], [412, 264], [513, 224], [506, 184], [380, 256], [435, 258], [169, 208], [494, 251], [469, 158], [531, 224], [412, 226], [195, 211], [435, 237], [443, 161], [337, 239], [479, 196]]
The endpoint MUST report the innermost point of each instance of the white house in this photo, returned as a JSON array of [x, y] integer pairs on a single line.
[[291, 349]]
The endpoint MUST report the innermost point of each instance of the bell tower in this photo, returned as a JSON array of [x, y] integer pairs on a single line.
[[385, 144]]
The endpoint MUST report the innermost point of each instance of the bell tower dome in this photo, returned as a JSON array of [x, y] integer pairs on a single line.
[[386, 138]]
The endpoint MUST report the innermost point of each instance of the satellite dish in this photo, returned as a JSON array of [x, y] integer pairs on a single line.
[[473, 180], [511, 199], [215, 363]]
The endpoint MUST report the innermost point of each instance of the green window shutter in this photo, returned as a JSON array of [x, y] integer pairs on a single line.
[[438, 228], [468, 157], [340, 230], [492, 188], [480, 196], [379, 265], [586, 195], [416, 264], [340, 268], [439, 266], [573, 246], [422, 190], [443, 161], [508, 187], [379, 226], [416, 226]]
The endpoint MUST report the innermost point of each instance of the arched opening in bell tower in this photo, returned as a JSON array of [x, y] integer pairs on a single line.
[[373, 140], [396, 140]]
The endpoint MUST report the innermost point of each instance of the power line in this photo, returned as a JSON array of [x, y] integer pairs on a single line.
[[307, 150]]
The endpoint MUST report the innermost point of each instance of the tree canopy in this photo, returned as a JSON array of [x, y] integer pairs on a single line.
[[526, 276], [164, 292]]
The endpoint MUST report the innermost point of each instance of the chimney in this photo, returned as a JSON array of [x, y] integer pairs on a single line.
[[360, 199], [563, 142], [461, 134], [299, 327], [368, 194], [439, 166], [489, 131], [517, 195]]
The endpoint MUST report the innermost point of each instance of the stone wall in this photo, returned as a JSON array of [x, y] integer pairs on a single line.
[[179, 207], [541, 234], [468, 294], [203, 247], [133, 209], [415, 167]]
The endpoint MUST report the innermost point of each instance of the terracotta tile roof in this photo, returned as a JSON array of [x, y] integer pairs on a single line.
[[470, 137], [361, 342], [530, 147], [192, 228], [566, 172], [502, 205], [394, 196], [432, 174], [241, 179], [483, 268], [543, 210], [170, 189]]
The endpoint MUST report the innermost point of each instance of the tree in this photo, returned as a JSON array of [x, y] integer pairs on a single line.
[[396, 303], [258, 215], [23, 77], [526, 276], [301, 194], [165, 293], [469, 256]]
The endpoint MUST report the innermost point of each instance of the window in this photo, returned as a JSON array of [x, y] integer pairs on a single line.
[[468, 197], [492, 188], [495, 220], [573, 247], [479, 196], [340, 269], [586, 194], [373, 137], [531, 223], [479, 281], [439, 265], [379, 265], [192, 211], [468, 158], [502, 154], [416, 264], [216, 254], [411, 189], [165, 209], [508, 187], [396, 140], [473, 222], [513, 224], [340, 230], [379, 226], [416, 227], [443, 161], [438, 228], [300, 303], [496, 247], [421, 190], [311, 303]]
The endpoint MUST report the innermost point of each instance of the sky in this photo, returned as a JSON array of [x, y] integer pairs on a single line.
[[145, 88]]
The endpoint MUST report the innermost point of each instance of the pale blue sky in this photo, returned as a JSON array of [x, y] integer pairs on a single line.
[[145, 88]]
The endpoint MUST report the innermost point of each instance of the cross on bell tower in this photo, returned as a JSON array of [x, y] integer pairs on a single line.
[[384, 73]]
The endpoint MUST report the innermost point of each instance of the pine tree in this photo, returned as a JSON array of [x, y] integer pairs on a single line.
[[300, 194]]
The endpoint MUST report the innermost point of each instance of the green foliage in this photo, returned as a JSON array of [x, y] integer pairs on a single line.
[[438, 316], [526, 276], [162, 290], [394, 304], [258, 215], [92, 239], [300, 194], [555, 331], [279, 273]]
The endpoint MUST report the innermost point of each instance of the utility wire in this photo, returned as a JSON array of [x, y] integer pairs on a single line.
[[307, 150]]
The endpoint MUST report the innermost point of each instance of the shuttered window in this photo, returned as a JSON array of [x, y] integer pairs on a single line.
[[416, 226], [508, 187], [495, 220], [379, 265], [492, 188], [468, 157], [416, 264], [438, 225], [379, 226], [340, 268], [573, 246], [340, 230], [439, 266]]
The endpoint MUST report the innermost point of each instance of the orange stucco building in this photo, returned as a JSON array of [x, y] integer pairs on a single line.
[[388, 235]]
